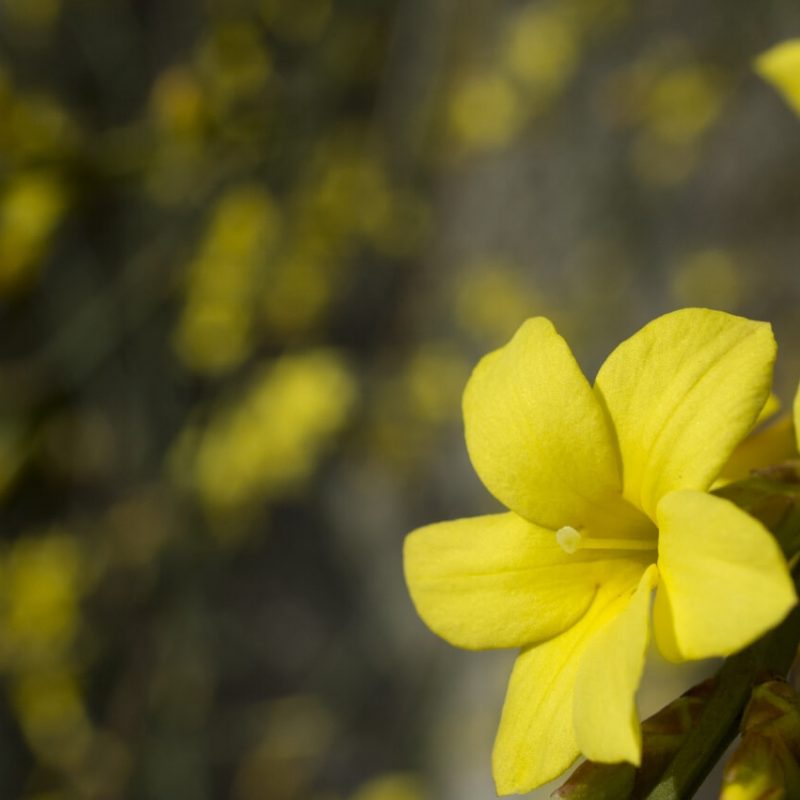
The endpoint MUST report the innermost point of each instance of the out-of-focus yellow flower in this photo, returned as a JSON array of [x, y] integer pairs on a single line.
[[235, 62], [347, 199], [343, 202], [52, 715], [177, 102], [411, 400], [485, 111], [30, 209], [394, 786], [607, 491], [35, 126], [215, 329], [349, 191], [43, 579], [682, 103], [673, 105], [436, 375], [708, 278], [780, 66], [297, 731], [180, 113], [270, 440], [492, 300], [542, 50], [41, 592]]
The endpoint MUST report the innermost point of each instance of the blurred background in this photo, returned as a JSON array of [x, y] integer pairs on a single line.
[[249, 253]]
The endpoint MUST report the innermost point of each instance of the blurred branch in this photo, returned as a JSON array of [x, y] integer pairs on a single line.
[[86, 340]]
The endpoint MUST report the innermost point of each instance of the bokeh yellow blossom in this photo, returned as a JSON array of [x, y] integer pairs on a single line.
[[485, 111], [391, 787], [542, 51], [269, 440], [215, 330], [30, 209]]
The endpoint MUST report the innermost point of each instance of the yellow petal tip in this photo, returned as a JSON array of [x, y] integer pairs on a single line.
[[780, 66]]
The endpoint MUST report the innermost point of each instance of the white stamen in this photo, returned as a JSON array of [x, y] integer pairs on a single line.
[[569, 539]]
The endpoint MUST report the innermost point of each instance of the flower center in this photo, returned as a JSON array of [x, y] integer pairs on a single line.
[[571, 540]]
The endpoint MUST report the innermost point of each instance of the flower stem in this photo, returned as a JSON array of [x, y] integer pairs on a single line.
[[777, 504], [719, 722]]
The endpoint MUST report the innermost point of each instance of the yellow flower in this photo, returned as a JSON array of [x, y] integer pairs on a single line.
[[780, 66], [606, 491]]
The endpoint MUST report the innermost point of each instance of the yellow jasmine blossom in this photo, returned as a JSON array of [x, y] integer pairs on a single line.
[[780, 66], [606, 487]]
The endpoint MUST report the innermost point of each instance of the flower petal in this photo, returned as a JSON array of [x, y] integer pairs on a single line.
[[770, 442], [537, 436], [606, 723], [536, 741], [780, 65], [771, 408], [769, 445], [724, 580], [682, 393], [499, 581]]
